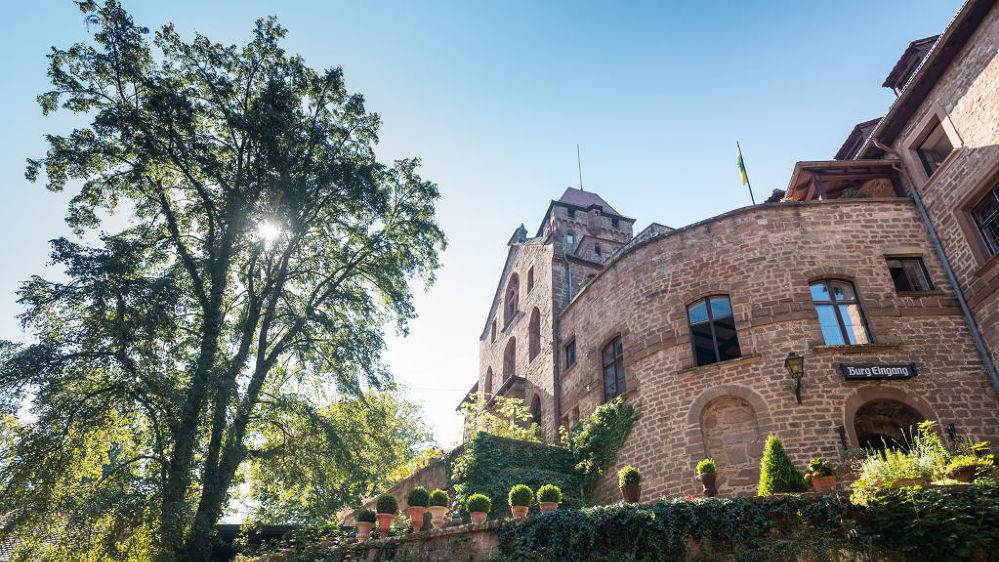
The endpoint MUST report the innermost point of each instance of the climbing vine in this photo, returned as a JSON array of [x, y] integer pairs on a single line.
[[596, 439]]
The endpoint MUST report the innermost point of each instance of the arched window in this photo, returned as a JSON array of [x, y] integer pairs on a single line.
[[840, 317], [613, 369], [534, 334], [530, 279], [596, 249], [510, 359], [712, 330], [494, 331], [488, 387], [536, 409], [512, 294]]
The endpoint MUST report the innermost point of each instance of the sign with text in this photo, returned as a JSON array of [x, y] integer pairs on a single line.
[[877, 372]]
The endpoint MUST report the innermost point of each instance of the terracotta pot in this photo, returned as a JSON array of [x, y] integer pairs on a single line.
[[518, 511], [631, 492], [438, 514], [416, 516], [364, 530], [709, 485], [547, 507], [478, 517], [384, 523], [964, 474], [823, 483], [921, 481]]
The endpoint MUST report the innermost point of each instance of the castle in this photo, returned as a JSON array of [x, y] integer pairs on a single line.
[[876, 273]]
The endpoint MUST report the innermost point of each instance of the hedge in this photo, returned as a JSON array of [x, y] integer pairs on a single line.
[[904, 524], [492, 465]]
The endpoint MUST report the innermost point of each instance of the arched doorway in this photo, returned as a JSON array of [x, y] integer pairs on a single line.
[[536, 409], [881, 424]]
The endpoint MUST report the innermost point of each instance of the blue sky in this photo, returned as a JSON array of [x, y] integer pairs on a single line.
[[495, 96]]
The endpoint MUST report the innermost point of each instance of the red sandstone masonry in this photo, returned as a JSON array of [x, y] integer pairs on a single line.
[[764, 259]]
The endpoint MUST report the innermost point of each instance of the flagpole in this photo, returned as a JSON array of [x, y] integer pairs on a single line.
[[746, 173]]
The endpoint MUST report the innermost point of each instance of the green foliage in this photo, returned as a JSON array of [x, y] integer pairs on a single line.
[[308, 473], [550, 493], [266, 253], [478, 503], [629, 476], [439, 498], [595, 440], [492, 465], [365, 515], [386, 503], [925, 458], [500, 416], [521, 495], [962, 461], [418, 462], [818, 467], [706, 466], [777, 471], [418, 497], [911, 524]]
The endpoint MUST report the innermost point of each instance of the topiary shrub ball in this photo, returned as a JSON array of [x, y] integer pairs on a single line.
[[418, 497], [478, 503], [365, 516], [439, 498], [386, 503], [550, 493], [777, 471], [521, 495], [707, 466], [629, 476]]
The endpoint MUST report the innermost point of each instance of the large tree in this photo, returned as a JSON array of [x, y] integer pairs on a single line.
[[267, 252]]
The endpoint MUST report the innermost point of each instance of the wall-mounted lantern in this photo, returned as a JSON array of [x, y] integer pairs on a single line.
[[795, 365]]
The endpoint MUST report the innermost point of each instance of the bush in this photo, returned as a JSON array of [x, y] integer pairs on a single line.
[[550, 493], [777, 471], [596, 439], [386, 503], [706, 466], [439, 498], [478, 503], [962, 461], [418, 497], [629, 476], [521, 495], [819, 467], [365, 516]]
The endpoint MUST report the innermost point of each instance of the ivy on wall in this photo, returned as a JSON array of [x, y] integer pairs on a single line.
[[491, 465], [899, 524], [596, 439]]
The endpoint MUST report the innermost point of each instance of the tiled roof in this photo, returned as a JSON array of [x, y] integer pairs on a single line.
[[586, 199]]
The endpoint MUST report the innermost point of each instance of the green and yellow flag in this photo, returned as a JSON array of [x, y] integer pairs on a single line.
[[742, 165]]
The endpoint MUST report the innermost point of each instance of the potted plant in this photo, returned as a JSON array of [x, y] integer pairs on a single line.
[[520, 499], [387, 506], [630, 481], [418, 499], [365, 520], [707, 472], [964, 468], [549, 496], [439, 502], [821, 475], [478, 506], [777, 472]]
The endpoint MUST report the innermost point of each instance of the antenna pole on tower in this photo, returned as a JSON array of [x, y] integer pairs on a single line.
[[579, 164]]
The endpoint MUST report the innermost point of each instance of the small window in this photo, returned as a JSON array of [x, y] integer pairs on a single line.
[[840, 317], [909, 275], [712, 330], [615, 222], [596, 249], [530, 279], [613, 369], [511, 307], [494, 331], [536, 409], [934, 149], [575, 415], [571, 213], [986, 215], [565, 421], [570, 239], [534, 335], [570, 353], [510, 359]]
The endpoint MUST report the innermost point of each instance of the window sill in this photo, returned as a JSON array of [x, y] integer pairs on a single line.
[[855, 349], [568, 371], [751, 358], [989, 268], [513, 322], [917, 294]]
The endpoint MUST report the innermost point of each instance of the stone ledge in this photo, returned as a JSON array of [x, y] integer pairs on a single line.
[[751, 358], [857, 349]]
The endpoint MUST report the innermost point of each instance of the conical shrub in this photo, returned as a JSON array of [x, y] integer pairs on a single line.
[[777, 471]]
